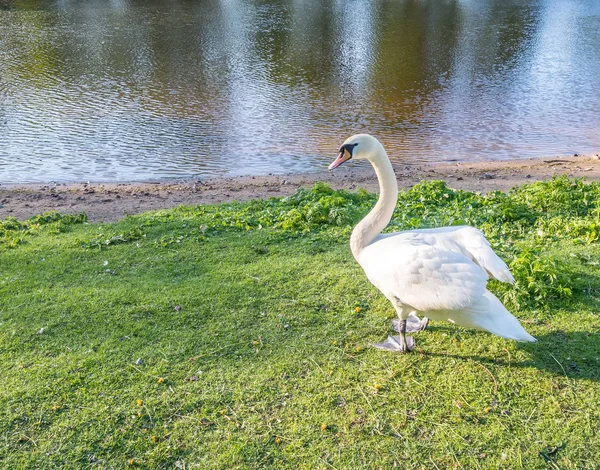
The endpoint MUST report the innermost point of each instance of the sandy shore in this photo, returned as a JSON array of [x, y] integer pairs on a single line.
[[113, 201]]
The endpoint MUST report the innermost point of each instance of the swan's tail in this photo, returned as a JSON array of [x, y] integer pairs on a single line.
[[490, 315]]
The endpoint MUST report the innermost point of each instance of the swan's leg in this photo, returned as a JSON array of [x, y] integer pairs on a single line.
[[400, 343], [402, 339], [413, 324]]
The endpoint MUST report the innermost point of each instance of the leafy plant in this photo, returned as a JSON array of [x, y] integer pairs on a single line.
[[104, 240], [14, 232]]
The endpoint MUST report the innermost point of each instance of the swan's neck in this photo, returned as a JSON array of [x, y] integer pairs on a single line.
[[376, 220]]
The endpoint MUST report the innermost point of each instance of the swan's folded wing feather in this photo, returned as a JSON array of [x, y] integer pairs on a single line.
[[476, 244], [427, 278]]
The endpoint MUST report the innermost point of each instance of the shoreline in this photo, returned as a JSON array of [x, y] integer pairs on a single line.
[[107, 202]]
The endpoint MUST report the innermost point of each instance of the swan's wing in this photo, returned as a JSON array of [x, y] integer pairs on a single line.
[[426, 277], [481, 251]]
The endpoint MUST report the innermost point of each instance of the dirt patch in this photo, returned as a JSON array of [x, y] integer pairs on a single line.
[[113, 201]]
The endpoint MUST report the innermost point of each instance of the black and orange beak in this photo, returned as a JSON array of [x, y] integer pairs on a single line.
[[344, 155]]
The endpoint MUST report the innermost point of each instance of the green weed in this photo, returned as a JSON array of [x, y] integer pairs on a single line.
[[237, 336]]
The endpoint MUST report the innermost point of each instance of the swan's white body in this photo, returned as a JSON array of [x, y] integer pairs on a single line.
[[439, 273], [442, 274]]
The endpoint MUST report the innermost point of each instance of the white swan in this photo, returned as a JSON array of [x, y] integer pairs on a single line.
[[439, 273]]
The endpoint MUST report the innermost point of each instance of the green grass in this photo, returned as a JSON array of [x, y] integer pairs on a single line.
[[252, 323]]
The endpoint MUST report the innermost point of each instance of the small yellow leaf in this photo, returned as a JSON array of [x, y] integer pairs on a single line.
[[161, 380]]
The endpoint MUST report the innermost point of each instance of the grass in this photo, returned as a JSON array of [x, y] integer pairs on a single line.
[[237, 336]]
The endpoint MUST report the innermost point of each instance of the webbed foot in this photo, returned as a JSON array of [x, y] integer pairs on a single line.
[[394, 343], [413, 324]]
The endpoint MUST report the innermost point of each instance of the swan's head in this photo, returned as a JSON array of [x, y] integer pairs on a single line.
[[357, 147]]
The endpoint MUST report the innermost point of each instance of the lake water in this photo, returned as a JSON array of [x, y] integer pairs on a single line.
[[118, 90]]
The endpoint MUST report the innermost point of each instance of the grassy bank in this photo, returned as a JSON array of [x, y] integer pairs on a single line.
[[237, 336]]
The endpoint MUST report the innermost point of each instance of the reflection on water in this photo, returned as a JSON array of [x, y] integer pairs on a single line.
[[139, 89]]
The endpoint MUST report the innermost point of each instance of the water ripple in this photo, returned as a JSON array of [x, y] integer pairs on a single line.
[[136, 90]]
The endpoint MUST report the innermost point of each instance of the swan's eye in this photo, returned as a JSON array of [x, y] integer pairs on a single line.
[[348, 148]]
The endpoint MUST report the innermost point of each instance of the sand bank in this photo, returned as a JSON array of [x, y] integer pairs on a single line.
[[112, 201]]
